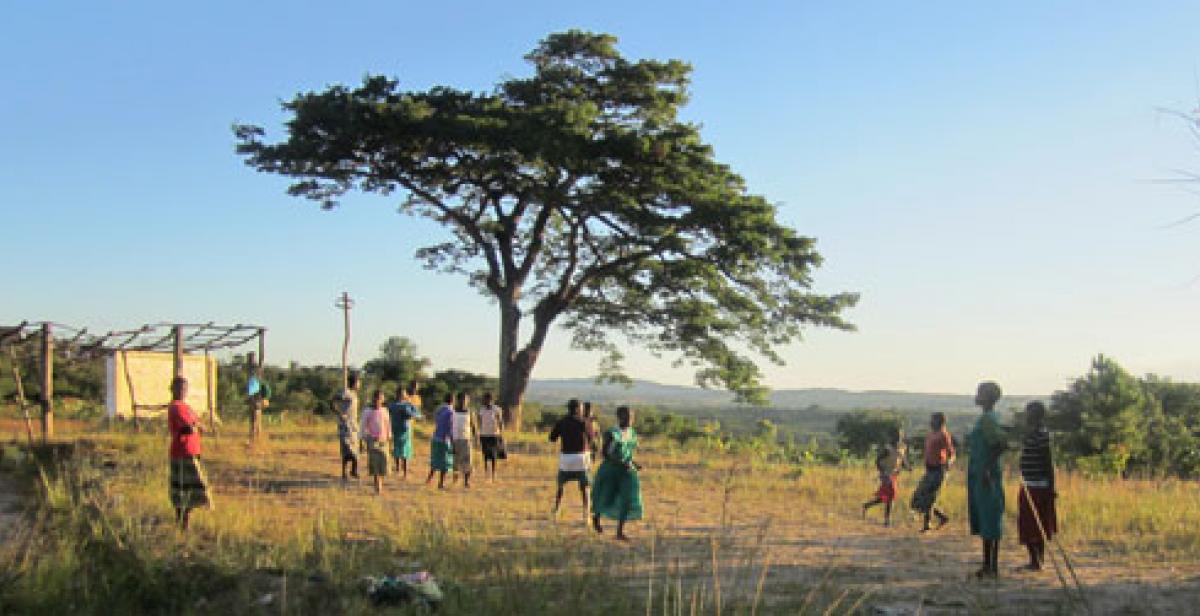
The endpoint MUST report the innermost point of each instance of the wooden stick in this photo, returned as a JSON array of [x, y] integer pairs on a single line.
[[1037, 517]]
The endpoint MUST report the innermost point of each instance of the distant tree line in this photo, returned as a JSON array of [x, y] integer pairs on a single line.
[[1107, 422], [298, 388]]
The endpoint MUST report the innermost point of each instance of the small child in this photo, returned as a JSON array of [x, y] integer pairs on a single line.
[[491, 435], [939, 455], [462, 432], [441, 453], [345, 406], [892, 457], [1037, 520], [376, 430], [402, 412]]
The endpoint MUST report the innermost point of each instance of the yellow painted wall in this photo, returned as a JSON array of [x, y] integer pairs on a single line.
[[150, 374]]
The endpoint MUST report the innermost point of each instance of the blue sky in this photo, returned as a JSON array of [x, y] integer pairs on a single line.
[[983, 175]]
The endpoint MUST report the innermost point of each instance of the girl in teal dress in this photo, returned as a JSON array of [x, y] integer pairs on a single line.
[[616, 491], [985, 485], [402, 411]]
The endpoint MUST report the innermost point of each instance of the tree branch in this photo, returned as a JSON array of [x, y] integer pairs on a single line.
[[471, 227]]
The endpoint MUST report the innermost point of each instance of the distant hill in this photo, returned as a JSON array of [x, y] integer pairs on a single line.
[[555, 391], [805, 411]]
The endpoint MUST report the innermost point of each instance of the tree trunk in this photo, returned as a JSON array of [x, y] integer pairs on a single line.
[[516, 367], [512, 394]]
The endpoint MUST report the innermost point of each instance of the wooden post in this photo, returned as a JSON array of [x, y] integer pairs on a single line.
[[177, 370], [345, 303], [208, 392], [133, 405], [16, 370], [254, 400], [47, 381], [260, 398]]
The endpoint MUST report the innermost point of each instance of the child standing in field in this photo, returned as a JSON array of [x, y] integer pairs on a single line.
[[985, 484], [939, 455], [891, 459], [402, 411], [345, 406], [617, 493], [1037, 520], [188, 484], [441, 454], [491, 429], [574, 458], [376, 430], [462, 432]]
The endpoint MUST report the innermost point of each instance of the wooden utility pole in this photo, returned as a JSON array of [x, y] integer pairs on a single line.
[[47, 381], [345, 303]]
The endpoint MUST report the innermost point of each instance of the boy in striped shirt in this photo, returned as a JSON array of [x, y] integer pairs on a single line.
[[1036, 518]]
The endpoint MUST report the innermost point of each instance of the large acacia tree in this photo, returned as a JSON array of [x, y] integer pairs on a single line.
[[574, 197]]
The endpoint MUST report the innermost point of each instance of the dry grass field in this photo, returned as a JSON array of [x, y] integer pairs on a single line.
[[723, 534]]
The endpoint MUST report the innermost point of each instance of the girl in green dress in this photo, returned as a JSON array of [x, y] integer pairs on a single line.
[[985, 485], [616, 491]]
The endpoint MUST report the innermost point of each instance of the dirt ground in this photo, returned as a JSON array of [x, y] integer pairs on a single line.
[[899, 569]]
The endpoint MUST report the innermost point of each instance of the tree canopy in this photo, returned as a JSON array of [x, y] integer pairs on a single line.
[[574, 195], [860, 431], [398, 361], [1111, 422]]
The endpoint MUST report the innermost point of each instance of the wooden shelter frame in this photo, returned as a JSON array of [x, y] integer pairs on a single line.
[[177, 338]]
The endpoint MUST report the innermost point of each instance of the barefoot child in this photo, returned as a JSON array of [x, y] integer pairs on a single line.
[[618, 491], [985, 485], [441, 456], [939, 455], [892, 457], [1037, 520], [402, 411], [491, 429], [376, 430]]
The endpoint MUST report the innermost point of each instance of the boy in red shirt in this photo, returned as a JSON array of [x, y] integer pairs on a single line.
[[188, 487], [939, 455]]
